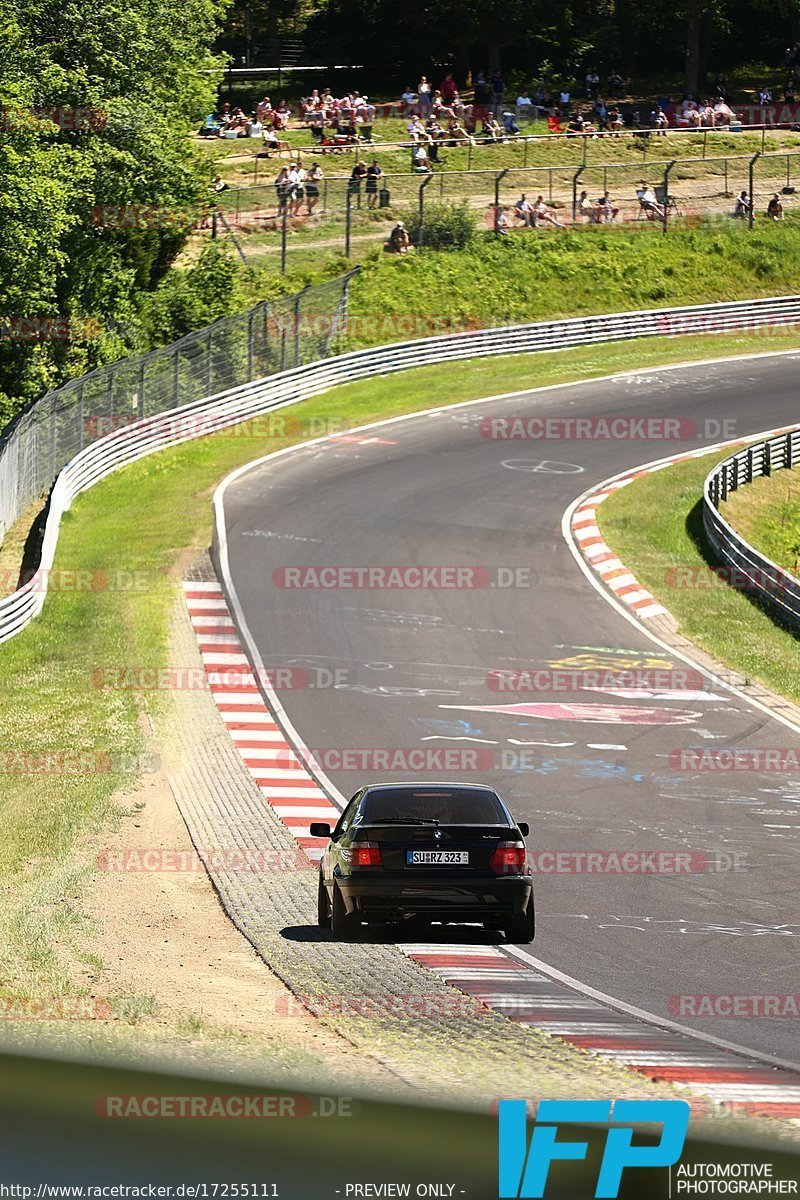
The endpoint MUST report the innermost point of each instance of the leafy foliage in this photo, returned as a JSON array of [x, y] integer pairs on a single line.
[[446, 227]]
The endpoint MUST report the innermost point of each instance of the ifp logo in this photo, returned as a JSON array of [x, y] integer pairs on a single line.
[[524, 1170]]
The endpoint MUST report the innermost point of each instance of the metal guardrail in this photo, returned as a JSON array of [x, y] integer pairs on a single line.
[[224, 409], [744, 567]]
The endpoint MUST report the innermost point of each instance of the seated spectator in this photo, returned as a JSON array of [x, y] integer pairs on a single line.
[[416, 130], [500, 221], [280, 116], [586, 210], [614, 122], [419, 160], [409, 99], [658, 119], [707, 117], [264, 111], [439, 108], [605, 209], [254, 128], [524, 106], [457, 133], [648, 202], [723, 115], [764, 96], [492, 132], [399, 240], [510, 126], [523, 211], [775, 208], [601, 112], [616, 85], [742, 205], [543, 216]]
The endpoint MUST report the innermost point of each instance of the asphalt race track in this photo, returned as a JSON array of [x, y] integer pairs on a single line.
[[412, 668]]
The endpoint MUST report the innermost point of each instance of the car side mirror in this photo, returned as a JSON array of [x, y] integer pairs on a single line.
[[524, 828], [320, 829]]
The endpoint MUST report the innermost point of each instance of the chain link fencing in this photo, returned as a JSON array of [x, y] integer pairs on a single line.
[[273, 336]]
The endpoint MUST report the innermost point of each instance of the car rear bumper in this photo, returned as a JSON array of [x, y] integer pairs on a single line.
[[450, 899]]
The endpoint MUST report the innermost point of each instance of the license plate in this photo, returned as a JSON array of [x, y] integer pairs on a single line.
[[437, 858]]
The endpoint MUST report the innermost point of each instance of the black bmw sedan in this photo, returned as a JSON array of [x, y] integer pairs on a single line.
[[435, 852]]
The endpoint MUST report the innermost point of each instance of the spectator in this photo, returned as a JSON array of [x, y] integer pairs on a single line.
[[419, 160], [509, 124], [606, 209], [313, 178], [614, 121], [764, 96], [424, 97], [586, 210], [649, 204], [358, 173], [297, 187], [658, 119], [282, 188], [416, 130], [564, 99], [399, 240], [374, 174], [492, 132], [448, 88], [592, 83], [616, 85], [524, 211], [543, 216], [409, 99], [775, 208], [524, 106], [500, 222], [723, 114], [483, 92], [789, 91], [742, 205]]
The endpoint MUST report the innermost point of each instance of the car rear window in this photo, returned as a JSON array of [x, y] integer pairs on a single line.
[[453, 807]]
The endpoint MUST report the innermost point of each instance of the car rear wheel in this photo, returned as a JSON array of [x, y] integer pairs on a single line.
[[344, 925], [522, 929], [323, 907]]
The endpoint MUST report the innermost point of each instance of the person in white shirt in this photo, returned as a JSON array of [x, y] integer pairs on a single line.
[[524, 105], [564, 99], [764, 96], [543, 216], [409, 99], [742, 205], [524, 210], [424, 96], [648, 201]]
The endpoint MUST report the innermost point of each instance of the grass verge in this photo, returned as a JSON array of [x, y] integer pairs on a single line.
[[767, 515], [69, 746], [655, 526]]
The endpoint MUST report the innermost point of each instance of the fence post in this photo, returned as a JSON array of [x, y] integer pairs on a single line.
[[284, 230], [725, 166], [788, 171], [752, 212], [575, 179], [325, 195], [348, 216], [469, 156], [788, 444], [525, 158], [209, 370], [667, 170], [250, 355], [749, 465], [79, 414], [550, 184], [111, 400], [421, 210], [497, 180], [763, 138], [705, 141], [141, 383], [176, 376], [767, 468], [296, 323]]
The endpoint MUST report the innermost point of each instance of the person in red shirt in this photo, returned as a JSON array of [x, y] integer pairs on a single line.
[[448, 88]]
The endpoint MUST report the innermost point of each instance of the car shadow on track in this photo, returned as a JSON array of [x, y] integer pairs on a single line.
[[390, 935]]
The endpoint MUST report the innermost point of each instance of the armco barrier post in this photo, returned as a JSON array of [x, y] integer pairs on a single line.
[[497, 181]]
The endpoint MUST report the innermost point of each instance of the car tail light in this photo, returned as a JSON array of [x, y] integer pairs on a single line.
[[508, 858], [365, 854]]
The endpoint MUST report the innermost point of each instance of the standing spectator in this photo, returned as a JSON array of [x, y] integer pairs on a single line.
[[564, 99], [297, 184], [592, 83], [498, 92], [282, 188], [483, 92], [764, 96], [374, 174], [448, 88], [358, 173], [313, 178], [424, 97]]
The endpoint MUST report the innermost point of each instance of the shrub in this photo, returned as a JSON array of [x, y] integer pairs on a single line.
[[446, 227]]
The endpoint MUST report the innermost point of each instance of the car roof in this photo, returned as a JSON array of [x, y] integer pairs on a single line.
[[431, 787]]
